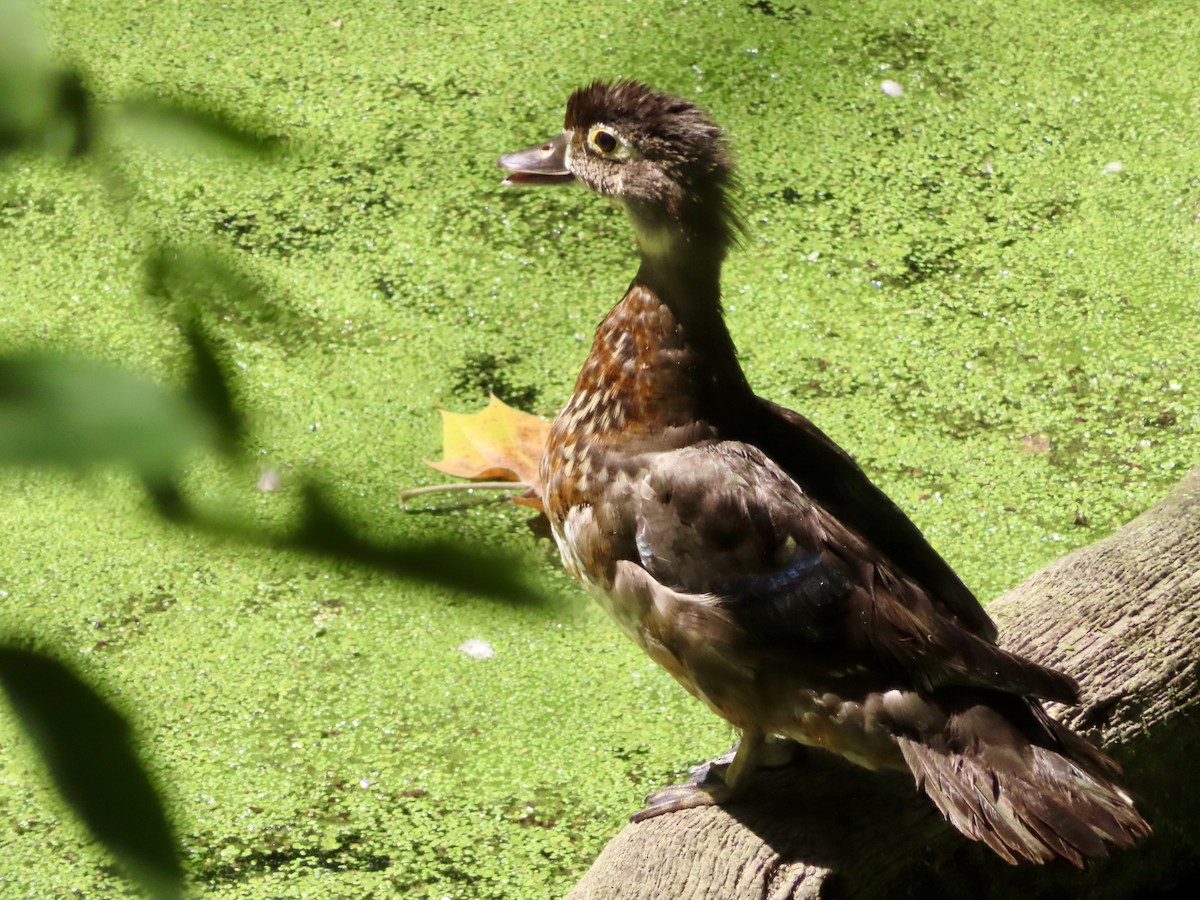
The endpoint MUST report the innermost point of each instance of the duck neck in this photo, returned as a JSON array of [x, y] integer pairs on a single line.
[[663, 356], [681, 266]]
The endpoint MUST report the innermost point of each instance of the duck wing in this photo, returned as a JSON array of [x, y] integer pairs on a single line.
[[722, 522], [830, 477]]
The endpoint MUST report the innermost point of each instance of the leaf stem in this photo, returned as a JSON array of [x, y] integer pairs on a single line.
[[514, 486]]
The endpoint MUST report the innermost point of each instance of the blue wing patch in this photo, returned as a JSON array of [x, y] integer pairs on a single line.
[[805, 601]]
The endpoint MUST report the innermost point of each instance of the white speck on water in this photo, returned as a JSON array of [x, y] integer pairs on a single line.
[[270, 481], [476, 649], [891, 88]]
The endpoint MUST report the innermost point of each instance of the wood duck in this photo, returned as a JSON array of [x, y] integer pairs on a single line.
[[748, 554]]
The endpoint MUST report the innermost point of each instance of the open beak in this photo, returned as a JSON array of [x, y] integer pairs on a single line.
[[544, 164]]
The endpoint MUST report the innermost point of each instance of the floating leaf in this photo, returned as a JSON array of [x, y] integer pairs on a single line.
[[86, 745], [498, 444]]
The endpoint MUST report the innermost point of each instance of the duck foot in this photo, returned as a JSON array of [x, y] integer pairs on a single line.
[[723, 779], [705, 787]]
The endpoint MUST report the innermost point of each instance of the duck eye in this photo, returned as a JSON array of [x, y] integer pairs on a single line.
[[604, 141]]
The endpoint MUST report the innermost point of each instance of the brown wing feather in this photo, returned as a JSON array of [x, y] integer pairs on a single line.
[[831, 477], [723, 519]]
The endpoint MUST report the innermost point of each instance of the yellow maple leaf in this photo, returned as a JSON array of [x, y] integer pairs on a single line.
[[496, 447]]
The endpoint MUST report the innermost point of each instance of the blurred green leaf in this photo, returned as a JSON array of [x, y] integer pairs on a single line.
[[208, 388], [26, 75], [199, 282], [63, 411], [41, 106], [86, 745], [173, 127], [198, 279]]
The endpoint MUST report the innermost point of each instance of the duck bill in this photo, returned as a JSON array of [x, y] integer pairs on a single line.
[[544, 164]]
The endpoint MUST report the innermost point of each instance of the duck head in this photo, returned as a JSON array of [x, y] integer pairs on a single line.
[[658, 156]]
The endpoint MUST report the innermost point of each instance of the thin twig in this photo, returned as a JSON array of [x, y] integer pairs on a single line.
[[514, 486]]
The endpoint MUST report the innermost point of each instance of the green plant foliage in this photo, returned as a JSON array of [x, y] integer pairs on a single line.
[[58, 410], [159, 126], [281, 226], [67, 411], [42, 107]]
